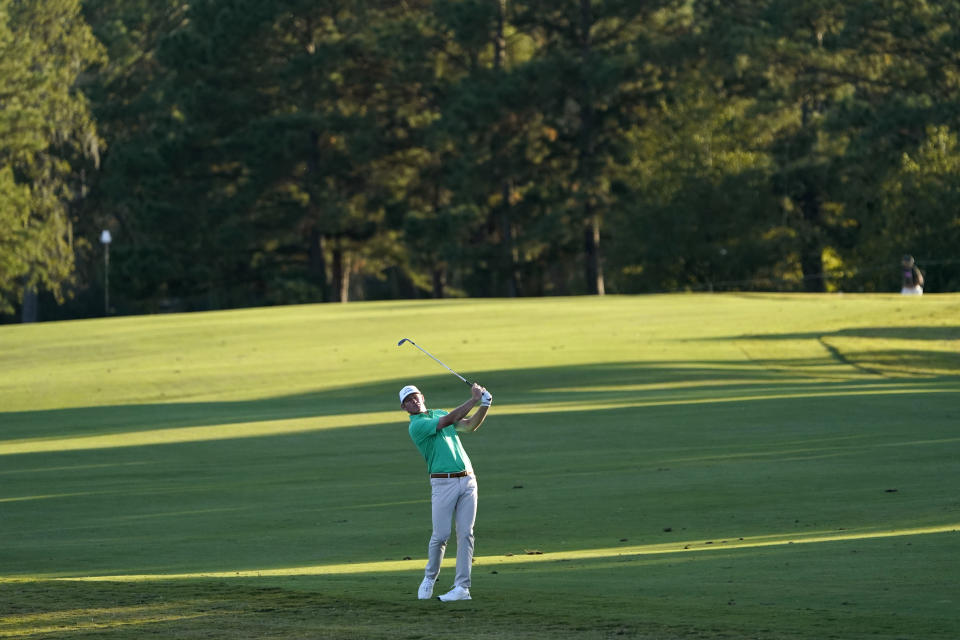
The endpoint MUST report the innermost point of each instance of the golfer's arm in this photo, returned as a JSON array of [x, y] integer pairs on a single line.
[[471, 424], [457, 414]]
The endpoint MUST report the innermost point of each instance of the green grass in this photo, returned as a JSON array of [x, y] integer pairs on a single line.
[[725, 466]]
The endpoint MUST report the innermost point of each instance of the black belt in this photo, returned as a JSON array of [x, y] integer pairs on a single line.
[[458, 474]]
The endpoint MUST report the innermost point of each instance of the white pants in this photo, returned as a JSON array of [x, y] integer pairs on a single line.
[[912, 291], [452, 498]]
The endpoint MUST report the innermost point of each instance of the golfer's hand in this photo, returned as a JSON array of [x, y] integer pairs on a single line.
[[476, 391], [486, 398]]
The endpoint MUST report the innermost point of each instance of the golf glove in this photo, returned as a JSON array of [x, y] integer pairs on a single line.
[[486, 398]]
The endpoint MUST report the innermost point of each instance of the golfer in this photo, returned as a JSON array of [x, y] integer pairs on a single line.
[[453, 487]]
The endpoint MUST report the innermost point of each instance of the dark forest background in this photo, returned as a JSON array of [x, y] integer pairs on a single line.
[[263, 152]]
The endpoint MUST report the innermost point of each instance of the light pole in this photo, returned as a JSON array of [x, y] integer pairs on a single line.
[[105, 239]]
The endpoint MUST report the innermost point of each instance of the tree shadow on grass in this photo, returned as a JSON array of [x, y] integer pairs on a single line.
[[880, 333], [879, 351], [628, 382]]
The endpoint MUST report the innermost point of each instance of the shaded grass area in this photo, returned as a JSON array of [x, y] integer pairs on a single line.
[[356, 495], [852, 589], [191, 610], [618, 385], [684, 431]]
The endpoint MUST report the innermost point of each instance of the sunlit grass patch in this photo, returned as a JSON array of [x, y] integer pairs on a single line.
[[152, 437], [539, 556], [95, 619]]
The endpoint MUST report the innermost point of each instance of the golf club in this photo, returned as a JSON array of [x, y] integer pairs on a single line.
[[432, 356]]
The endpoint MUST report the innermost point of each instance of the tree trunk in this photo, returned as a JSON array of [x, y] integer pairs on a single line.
[[439, 281], [316, 261], [30, 307], [508, 251], [591, 249], [317, 264], [591, 233], [811, 248], [341, 273], [508, 254], [500, 43]]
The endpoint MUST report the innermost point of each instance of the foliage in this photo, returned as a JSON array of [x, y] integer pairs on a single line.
[[923, 205], [282, 151], [46, 133]]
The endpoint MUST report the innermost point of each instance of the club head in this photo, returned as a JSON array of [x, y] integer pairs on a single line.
[[402, 341]]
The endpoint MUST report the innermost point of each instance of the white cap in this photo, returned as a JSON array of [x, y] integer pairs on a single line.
[[407, 390]]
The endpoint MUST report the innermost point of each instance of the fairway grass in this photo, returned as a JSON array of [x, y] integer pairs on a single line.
[[683, 466]]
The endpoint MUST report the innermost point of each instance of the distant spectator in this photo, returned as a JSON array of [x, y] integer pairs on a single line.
[[912, 278]]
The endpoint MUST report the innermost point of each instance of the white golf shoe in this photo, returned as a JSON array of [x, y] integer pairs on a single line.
[[457, 593], [426, 589]]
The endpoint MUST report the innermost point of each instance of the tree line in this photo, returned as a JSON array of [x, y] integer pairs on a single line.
[[256, 152]]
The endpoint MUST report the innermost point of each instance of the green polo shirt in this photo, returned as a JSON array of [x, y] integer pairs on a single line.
[[441, 449]]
